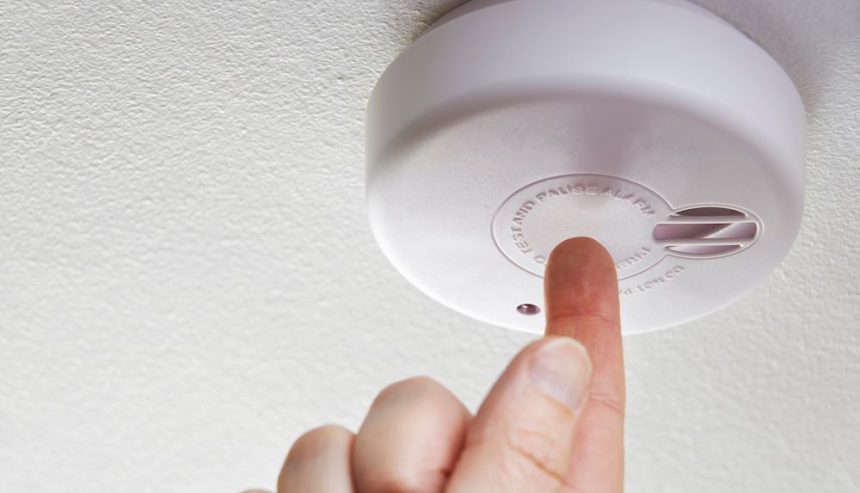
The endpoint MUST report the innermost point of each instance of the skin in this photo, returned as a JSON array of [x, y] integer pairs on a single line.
[[552, 423]]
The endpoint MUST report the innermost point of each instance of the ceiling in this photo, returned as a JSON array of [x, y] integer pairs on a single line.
[[188, 281]]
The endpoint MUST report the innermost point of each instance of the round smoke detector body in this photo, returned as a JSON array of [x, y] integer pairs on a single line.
[[652, 126]]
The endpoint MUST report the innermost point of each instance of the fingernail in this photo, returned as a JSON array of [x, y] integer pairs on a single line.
[[560, 368]]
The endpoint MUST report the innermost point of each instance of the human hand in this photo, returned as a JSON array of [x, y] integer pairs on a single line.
[[553, 422]]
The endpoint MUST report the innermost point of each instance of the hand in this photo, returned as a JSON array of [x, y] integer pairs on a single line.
[[553, 422]]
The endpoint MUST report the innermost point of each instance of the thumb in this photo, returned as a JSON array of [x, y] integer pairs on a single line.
[[522, 437]]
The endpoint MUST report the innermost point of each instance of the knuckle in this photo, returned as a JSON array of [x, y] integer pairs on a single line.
[[530, 452], [420, 386], [314, 441], [391, 481], [580, 318], [609, 402]]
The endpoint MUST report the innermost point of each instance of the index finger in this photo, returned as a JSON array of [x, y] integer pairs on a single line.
[[581, 290]]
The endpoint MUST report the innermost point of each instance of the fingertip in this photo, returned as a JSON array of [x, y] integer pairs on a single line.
[[578, 244], [579, 256], [580, 280]]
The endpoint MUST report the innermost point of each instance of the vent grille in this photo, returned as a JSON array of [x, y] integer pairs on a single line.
[[707, 231]]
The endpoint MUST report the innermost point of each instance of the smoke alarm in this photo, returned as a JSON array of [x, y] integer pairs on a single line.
[[652, 126]]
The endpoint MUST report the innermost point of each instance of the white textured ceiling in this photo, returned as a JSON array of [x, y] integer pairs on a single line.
[[187, 279]]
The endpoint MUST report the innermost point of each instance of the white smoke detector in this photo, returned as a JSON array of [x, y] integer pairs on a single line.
[[652, 126]]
